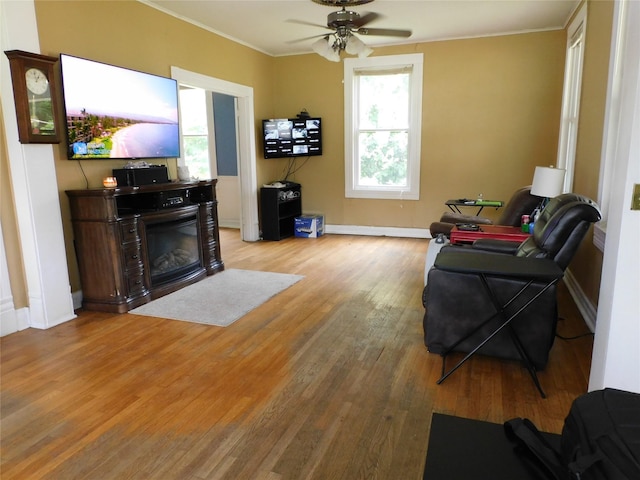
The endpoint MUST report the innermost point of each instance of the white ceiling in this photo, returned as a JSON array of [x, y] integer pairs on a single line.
[[266, 25]]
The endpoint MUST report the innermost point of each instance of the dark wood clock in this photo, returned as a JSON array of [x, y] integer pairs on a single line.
[[35, 92]]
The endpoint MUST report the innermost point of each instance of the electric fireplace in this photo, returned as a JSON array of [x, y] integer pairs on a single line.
[[136, 244], [173, 249]]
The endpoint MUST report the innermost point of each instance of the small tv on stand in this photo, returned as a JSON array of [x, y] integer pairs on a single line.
[[292, 137]]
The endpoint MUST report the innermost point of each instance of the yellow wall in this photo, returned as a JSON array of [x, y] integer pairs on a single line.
[[491, 112], [136, 36], [491, 107]]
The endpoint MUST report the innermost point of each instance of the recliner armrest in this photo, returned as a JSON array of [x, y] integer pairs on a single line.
[[496, 246], [541, 269]]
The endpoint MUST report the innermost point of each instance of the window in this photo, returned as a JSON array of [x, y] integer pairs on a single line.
[[195, 131], [383, 110], [571, 97]]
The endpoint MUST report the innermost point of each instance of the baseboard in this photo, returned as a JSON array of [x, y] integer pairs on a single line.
[[588, 311], [23, 318], [76, 297], [377, 231], [229, 223], [13, 320]]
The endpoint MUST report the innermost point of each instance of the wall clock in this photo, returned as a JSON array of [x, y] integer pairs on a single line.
[[35, 93]]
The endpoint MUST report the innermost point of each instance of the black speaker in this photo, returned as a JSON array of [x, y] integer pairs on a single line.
[[134, 177]]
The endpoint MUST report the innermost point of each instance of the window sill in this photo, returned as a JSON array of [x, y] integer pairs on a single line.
[[382, 195]]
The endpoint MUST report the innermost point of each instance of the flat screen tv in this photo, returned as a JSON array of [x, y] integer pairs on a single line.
[[292, 137], [117, 113]]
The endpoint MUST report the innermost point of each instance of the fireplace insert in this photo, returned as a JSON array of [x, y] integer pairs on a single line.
[[173, 248]]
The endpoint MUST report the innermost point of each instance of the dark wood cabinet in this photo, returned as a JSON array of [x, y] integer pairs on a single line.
[[112, 230], [279, 206]]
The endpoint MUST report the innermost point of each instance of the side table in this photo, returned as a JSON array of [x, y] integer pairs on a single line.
[[455, 204]]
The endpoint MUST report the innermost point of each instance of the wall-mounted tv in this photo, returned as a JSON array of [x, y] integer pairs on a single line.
[[117, 113], [292, 137]]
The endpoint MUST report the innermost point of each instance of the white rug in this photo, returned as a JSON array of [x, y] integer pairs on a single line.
[[220, 299]]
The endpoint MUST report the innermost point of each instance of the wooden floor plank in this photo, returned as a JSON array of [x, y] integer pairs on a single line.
[[329, 379]]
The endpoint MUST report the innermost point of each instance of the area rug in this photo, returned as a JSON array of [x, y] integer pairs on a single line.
[[220, 299], [464, 449]]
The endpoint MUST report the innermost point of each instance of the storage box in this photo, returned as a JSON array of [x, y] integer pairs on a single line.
[[309, 226]]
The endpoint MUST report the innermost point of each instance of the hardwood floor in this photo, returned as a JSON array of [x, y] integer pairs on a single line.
[[328, 380]]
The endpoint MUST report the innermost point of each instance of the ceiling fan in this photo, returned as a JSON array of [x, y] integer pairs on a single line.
[[344, 24]]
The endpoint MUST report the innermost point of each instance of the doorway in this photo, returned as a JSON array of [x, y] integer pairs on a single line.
[[208, 123], [249, 224]]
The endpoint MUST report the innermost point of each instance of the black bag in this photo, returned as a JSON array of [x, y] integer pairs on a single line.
[[600, 439]]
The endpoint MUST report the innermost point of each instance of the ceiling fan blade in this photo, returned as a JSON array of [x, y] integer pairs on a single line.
[[308, 24], [385, 32], [366, 18], [298, 40]]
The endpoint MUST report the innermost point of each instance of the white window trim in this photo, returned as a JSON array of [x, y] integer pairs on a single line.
[[211, 132], [621, 51], [571, 96], [412, 190]]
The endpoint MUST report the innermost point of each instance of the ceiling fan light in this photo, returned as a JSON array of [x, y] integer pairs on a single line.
[[366, 51], [355, 46], [321, 46], [333, 55]]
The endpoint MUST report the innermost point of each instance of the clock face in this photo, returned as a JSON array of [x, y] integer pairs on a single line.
[[41, 116], [37, 82]]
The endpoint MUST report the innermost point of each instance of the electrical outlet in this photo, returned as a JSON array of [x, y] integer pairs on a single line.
[[635, 201]]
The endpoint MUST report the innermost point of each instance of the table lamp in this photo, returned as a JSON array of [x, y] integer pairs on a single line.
[[547, 183]]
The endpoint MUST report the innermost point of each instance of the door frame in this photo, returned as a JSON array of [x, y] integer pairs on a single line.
[[249, 222]]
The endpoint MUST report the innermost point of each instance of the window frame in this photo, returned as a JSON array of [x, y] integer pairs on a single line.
[[570, 118], [391, 62]]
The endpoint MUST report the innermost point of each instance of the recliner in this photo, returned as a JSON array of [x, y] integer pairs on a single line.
[[520, 203], [463, 306]]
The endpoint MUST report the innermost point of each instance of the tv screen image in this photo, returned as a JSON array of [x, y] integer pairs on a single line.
[[118, 113], [292, 137]]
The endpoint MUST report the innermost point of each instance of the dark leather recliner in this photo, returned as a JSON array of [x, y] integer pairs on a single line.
[[458, 304], [520, 203]]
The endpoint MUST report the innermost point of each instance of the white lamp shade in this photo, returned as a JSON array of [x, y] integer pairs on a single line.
[[366, 51], [321, 46], [355, 46], [324, 48], [547, 182], [333, 55]]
